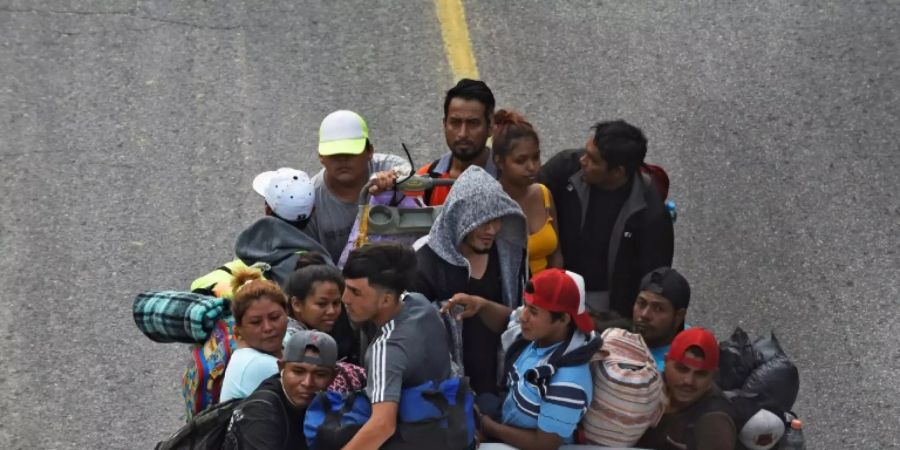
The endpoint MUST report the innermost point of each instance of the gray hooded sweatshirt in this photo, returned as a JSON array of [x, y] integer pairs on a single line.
[[275, 242], [476, 198]]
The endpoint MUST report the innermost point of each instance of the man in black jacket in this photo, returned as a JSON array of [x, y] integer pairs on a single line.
[[613, 227], [272, 416]]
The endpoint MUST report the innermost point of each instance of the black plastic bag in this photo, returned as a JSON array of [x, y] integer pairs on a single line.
[[760, 371], [767, 348], [737, 359], [777, 382]]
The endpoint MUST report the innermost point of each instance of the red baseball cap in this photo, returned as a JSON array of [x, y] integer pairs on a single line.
[[558, 290], [695, 337]]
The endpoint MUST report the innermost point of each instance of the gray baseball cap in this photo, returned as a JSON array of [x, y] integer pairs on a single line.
[[295, 350]]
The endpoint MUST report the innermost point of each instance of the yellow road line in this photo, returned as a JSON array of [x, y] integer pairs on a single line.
[[456, 39]]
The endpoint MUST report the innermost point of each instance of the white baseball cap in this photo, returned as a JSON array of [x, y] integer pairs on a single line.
[[343, 133], [289, 192], [762, 431]]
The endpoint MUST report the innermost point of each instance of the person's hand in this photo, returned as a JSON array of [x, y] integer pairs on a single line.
[[383, 181], [471, 305], [484, 422], [479, 433]]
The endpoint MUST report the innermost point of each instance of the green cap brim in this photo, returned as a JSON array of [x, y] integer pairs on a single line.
[[342, 147]]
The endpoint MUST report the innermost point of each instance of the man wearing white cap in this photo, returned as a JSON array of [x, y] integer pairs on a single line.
[[349, 161], [282, 235], [276, 239], [289, 195]]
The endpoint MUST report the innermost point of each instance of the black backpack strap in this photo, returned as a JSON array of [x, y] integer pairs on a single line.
[[287, 423]]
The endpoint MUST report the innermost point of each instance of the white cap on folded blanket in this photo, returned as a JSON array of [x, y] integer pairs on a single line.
[[762, 431], [289, 192]]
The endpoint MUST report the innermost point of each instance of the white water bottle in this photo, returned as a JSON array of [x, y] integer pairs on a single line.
[[793, 437]]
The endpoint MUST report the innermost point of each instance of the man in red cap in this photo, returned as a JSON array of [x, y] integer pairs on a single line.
[[698, 416], [548, 376]]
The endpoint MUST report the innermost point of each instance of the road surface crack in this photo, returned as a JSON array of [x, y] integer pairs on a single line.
[[129, 13]]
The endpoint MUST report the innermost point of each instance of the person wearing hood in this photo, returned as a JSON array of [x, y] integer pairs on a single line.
[[274, 242], [281, 236], [549, 379], [473, 261]]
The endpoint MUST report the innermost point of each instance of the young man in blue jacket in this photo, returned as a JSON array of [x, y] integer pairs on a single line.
[[549, 379]]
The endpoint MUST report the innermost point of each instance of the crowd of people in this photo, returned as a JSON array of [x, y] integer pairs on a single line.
[[524, 269]]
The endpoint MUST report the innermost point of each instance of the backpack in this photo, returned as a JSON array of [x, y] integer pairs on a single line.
[[658, 178], [207, 430], [437, 415], [202, 379], [628, 391]]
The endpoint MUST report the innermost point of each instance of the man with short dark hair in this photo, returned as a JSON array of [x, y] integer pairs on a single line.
[[349, 160], [660, 309], [613, 227], [410, 346], [468, 113], [698, 415], [272, 416]]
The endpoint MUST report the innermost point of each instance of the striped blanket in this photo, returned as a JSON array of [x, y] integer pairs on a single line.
[[628, 391]]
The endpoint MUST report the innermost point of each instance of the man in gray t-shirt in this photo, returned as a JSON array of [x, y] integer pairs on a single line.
[[410, 346], [349, 160]]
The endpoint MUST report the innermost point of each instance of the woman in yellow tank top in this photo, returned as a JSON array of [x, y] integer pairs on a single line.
[[517, 154]]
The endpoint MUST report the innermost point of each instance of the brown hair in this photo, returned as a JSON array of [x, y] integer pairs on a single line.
[[249, 287], [510, 126]]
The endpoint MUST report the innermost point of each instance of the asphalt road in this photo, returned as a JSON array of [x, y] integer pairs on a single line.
[[130, 132]]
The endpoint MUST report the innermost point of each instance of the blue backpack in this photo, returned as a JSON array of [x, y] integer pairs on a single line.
[[438, 415]]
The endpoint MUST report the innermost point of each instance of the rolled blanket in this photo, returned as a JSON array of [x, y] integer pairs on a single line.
[[174, 316]]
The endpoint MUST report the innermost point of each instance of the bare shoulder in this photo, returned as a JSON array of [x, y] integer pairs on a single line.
[[536, 192]]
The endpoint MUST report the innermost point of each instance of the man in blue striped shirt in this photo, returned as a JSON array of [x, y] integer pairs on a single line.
[[549, 380]]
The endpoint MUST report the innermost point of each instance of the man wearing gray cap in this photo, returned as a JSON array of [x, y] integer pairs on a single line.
[[271, 417]]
